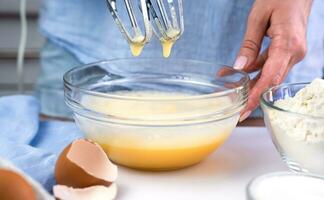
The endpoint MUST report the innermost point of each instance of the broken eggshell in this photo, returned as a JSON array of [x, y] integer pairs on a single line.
[[84, 163], [10, 181], [24, 182], [97, 192]]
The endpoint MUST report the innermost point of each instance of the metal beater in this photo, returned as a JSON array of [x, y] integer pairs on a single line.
[[165, 22]]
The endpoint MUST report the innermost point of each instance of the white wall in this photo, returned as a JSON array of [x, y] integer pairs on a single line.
[[9, 40], [12, 6]]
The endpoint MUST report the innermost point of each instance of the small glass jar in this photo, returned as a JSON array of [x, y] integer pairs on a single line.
[[286, 186]]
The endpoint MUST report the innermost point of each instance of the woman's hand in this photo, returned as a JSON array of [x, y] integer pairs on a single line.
[[285, 23]]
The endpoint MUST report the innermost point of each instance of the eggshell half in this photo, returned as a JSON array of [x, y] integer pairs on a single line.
[[98, 192], [14, 187], [39, 191], [83, 164]]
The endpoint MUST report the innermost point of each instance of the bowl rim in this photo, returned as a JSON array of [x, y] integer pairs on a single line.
[[255, 180], [69, 85], [265, 102]]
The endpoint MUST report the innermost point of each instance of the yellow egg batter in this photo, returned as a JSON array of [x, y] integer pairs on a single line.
[[167, 44], [137, 45], [162, 158], [136, 48], [145, 143], [166, 47]]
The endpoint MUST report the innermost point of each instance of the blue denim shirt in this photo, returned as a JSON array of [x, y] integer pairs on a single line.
[[213, 32]]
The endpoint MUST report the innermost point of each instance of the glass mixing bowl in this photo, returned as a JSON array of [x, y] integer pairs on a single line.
[[296, 136], [156, 114]]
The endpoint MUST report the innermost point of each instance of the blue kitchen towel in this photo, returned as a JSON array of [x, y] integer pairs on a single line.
[[31, 144]]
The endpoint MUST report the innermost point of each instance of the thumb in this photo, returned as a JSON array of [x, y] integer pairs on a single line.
[[251, 44]]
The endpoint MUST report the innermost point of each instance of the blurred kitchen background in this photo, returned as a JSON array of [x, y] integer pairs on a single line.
[[9, 42]]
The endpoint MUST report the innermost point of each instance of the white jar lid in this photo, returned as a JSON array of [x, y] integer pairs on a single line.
[[285, 186]]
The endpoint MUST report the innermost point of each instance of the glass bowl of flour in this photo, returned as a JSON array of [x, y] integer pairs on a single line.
[[294, 115]]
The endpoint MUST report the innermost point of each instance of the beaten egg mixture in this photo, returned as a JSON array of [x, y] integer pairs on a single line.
[[137, 45], [156, 136]]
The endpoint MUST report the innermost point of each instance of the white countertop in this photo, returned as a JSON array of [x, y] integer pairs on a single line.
[[223, 176]]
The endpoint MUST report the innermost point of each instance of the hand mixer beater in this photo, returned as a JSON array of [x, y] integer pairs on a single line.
[[165, 22]]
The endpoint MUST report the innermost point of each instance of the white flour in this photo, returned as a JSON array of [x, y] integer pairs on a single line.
[[301, 138], [310, 101]]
